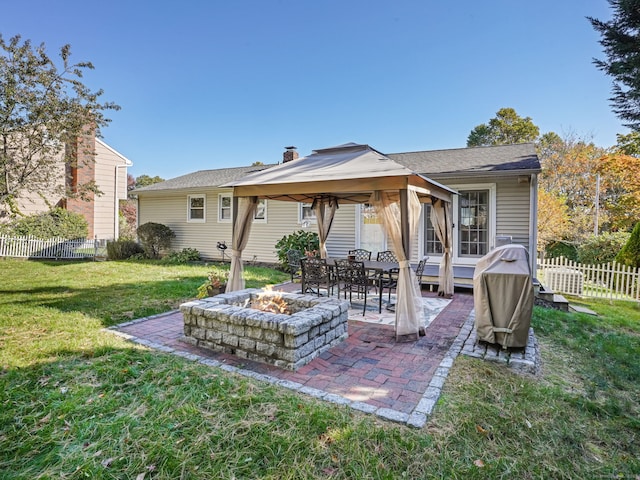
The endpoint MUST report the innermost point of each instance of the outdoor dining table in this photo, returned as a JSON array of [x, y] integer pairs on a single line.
[[379, 268]]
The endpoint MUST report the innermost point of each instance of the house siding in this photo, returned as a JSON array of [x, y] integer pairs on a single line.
[[100, 211], [105, 209], [170, 208], [512, 205]]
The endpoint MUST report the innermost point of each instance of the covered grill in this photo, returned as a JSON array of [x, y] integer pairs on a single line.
[[503, 296]]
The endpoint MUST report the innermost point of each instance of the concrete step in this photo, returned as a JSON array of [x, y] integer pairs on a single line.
[[577, 309], [560, 302]]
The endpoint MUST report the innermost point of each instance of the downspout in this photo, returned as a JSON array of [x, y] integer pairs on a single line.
[[533, 224]]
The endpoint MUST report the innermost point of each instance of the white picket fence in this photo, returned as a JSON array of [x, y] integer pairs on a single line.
[[609, 280], [58, 248]]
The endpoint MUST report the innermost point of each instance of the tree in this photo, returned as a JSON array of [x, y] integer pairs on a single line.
[[44, 110], [628, 144], [630, 253], [620, 39], [620, 189], [506, 128], [146, 180], [553, 219], [569, 167]]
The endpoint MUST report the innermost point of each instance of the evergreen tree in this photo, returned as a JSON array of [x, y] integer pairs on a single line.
[[630, 253], [621, 42], [506, 128]]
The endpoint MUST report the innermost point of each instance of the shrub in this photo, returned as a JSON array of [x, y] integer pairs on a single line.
[[630, 253], [57, 222], [300, 240], [597, 249], [154, 238], [185, 256], [122, 249], [562, 249]]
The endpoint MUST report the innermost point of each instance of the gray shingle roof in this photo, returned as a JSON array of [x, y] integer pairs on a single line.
[[503, 159], [203, 178]]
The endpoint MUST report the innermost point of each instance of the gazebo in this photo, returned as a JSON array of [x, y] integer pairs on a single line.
[[353, 173]]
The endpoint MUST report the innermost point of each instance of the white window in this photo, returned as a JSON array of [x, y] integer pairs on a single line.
[[473, 221], [224, 207], [196, 208], [432, 245], [306, 215], [261, 211]]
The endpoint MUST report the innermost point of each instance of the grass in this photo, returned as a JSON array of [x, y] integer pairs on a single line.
[[78, 402]]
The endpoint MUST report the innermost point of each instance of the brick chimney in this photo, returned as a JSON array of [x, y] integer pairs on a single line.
[[82, 170], [290, 153]]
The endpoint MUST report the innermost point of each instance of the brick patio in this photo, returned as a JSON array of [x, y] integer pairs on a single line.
[[370, 371]]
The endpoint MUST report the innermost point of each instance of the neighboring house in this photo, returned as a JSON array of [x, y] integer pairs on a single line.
[[108, 169], [497, 203]]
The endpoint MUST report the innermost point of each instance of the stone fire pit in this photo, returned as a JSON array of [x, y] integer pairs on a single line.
[[228, 323]]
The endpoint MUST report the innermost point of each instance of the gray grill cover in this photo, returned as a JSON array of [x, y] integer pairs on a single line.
[[503, 296]]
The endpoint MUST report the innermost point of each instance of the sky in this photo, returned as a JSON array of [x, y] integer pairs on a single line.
[[213, 84]]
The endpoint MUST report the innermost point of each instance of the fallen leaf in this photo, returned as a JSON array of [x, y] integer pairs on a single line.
[[106, 463], [141, 476], [478, 463], [334, 459], [481, 430], [46, 418]]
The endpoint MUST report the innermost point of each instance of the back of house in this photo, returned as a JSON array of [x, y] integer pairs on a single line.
[[496, 204]]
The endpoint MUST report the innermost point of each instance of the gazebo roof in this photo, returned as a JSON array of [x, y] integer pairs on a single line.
[[349, 172]]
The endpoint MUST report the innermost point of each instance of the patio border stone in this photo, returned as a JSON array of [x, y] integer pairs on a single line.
[[416, 419]]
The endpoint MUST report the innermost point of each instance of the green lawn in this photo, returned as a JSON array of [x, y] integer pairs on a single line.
[[78, 402]]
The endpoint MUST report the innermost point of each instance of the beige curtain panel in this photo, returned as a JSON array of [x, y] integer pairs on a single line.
[[409, 307], [441, 220], [241, 230], [325, 210]]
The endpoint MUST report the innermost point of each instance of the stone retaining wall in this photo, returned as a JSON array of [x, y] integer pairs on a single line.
[[224, 324]]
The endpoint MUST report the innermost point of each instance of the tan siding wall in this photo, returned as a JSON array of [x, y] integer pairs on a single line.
[[171, 209], [282, 219], [512, 214], [105, 209], [343, 232], [35, 203]]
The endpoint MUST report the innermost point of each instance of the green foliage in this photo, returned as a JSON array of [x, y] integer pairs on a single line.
[[186, 255], [628, 144], [146, 180], [620, 39], [506, 128], [562, 249], [154, 238], [122, 249], [630, 253], [598, 249], [44, 109], [216, 281], [80, 403], [54, 223], [301, 240]]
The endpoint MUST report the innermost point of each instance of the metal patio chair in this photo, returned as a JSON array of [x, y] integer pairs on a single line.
[[360, 254], [316, 273]]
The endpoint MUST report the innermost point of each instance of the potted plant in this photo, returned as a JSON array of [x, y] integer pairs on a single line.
[[215, 285]]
